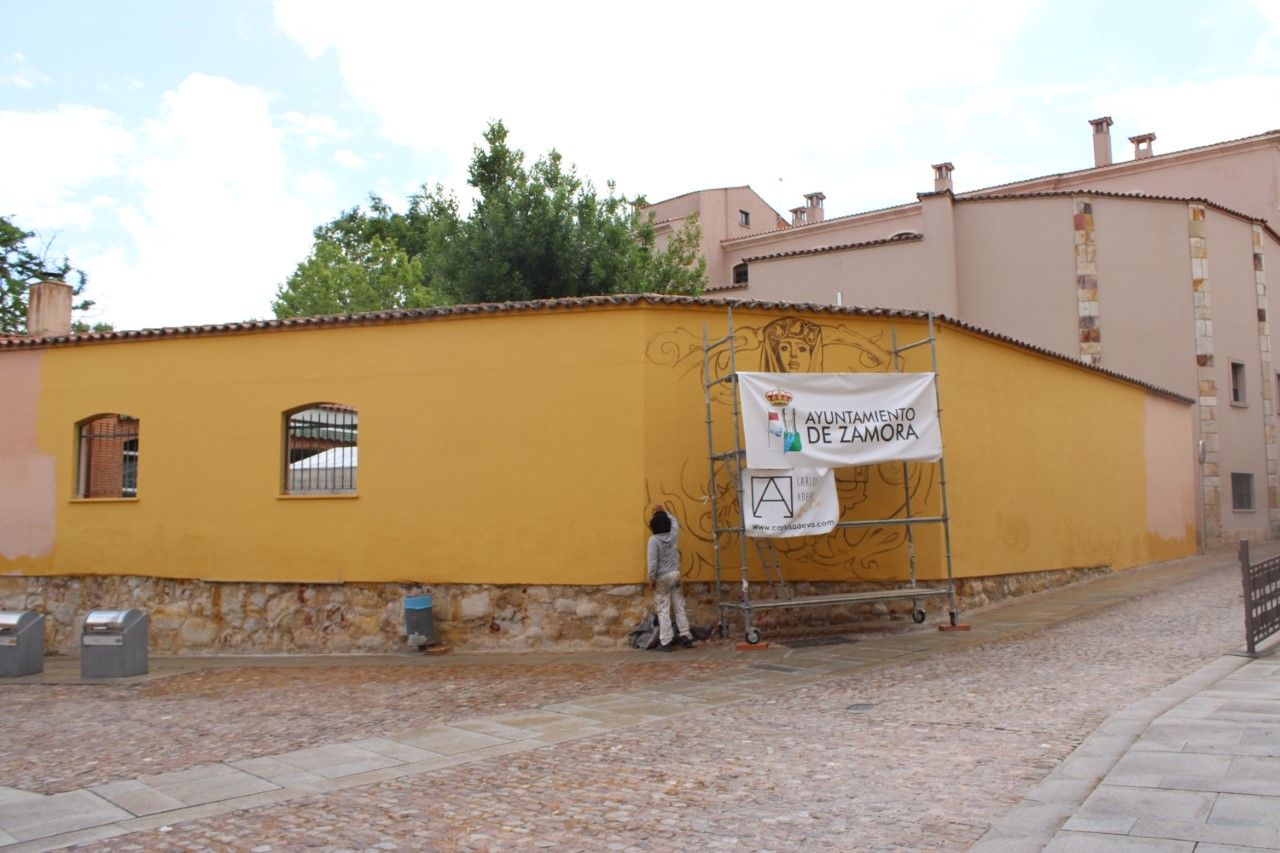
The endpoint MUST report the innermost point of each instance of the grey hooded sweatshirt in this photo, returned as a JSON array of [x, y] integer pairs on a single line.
[[664, 551]]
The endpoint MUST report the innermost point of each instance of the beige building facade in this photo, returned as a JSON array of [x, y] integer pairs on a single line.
[[1153, 267]]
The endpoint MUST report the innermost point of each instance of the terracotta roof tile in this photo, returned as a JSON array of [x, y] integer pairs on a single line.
[[377, 318], [899, 238], [805, 225]]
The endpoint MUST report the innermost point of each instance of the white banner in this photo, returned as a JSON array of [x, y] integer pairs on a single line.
[[835, 420], [789, 502]]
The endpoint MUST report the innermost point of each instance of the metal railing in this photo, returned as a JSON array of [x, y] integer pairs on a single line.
[[1261, 598]]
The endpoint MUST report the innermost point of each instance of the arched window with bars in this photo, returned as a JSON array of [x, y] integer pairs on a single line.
[[321, 456], [107, 456]]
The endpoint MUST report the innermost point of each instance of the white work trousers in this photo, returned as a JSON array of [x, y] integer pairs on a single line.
[[667, 596]]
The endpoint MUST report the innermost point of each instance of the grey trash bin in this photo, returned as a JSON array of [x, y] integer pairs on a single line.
[[21, 643], [114, 644], [419, 626]]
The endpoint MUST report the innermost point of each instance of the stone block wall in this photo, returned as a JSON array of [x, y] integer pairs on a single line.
[[201, 617]]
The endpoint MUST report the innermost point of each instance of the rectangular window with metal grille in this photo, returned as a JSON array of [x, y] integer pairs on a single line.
[[321, 454], [108, 457], [1242, 491]]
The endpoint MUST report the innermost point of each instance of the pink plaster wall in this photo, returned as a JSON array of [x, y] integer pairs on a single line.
[[1229, 243], [27, 521], [888, 275], [717, 211], [1015, 265], [1171, 467], [830, 233], [1246, 178], [1145, 306]]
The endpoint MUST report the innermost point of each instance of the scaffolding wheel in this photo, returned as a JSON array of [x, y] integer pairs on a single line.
[[723, 630], [753, 635], [917, 616], [955, 618]]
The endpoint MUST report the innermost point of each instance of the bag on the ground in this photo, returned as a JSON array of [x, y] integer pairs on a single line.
[[645, 634]]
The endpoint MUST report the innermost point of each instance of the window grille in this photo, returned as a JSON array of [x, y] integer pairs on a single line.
[[1242, 491], [321, 455], [740, 274], [108, 457]]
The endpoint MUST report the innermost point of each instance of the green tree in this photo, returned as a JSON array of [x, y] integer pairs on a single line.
[[374, 260], [534, 233], [21, 267], [680, 268]]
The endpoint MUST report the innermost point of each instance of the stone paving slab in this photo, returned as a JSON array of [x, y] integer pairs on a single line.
[[26, 819]]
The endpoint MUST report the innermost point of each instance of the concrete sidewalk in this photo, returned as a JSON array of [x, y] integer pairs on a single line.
[[1198, 762], [1194, 767]]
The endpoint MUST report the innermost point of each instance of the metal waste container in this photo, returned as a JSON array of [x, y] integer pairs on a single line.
[[21, 643], [114, 644], [419, 626]]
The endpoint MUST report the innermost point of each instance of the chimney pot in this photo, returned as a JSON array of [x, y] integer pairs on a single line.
[[49, 309], [1142, 145], [798, 215], [942, 176], [813, 202], [1101, 140]]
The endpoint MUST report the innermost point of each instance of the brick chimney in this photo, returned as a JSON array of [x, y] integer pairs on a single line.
[[1101, 140], [942, 176], [798, 215], [1142, 145], [813, 205], [49, 309]]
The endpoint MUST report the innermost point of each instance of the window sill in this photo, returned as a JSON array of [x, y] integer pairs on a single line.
[[1236, 405], [1239, 509], [320, 496], [102, 500]]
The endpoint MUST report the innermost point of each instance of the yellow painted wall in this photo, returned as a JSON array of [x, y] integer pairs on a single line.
[[528, 447], [1047, 464], [492, 450]]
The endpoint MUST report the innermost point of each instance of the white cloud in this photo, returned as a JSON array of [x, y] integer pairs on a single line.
[[705, 97], [62, 152], [1225, 108], [348, 158], [215, 228], [315, 130]]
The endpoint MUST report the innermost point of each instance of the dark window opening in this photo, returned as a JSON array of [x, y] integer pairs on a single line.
[[1237, 383], [1242, 491], [740, 274], [744, 218]]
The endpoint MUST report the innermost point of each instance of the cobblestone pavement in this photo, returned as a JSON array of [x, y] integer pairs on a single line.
[[921, 749], [59, 738]]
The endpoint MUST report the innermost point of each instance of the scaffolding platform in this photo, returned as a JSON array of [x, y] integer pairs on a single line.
[[732, 462]]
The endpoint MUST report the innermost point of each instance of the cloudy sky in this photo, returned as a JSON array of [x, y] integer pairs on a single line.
[[182, 152]]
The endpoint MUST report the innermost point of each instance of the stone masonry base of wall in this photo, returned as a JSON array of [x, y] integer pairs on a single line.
[[194, 617]]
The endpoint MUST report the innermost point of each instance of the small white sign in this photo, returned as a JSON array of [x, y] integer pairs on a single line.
[[789, 502]]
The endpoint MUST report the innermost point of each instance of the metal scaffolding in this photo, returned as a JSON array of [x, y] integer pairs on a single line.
[[732, 462]]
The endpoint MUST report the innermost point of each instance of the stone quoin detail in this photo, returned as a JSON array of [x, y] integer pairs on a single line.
[[1268, 382], [1206, 375], [1087, 281]]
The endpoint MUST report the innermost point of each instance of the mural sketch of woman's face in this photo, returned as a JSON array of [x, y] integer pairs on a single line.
[[793, 353], [792, 346]]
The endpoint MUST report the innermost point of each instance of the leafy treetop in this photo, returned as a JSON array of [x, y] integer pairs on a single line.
[[535, 233]]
